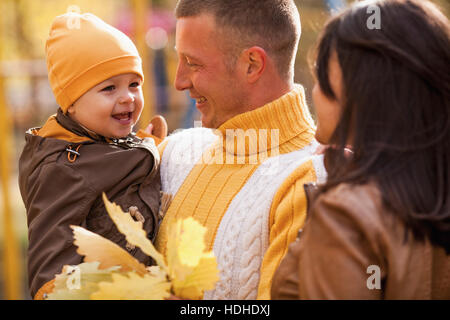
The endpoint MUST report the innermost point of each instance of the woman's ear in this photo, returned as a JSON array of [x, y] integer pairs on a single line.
[[256, 59]]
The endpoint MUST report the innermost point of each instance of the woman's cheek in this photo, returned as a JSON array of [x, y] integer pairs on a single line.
[[327, 114]]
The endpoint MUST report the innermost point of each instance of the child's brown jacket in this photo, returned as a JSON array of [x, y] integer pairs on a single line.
[[61, 188]]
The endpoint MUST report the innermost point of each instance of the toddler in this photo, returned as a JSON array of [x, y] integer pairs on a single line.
[[87, 148]]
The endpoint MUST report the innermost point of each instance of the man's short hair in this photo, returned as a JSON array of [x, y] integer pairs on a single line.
[[273, 25]]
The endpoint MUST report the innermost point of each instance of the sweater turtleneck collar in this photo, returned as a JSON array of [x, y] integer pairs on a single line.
[[270, 127]]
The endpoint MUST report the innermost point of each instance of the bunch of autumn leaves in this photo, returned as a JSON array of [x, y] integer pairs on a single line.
[[109, 272]]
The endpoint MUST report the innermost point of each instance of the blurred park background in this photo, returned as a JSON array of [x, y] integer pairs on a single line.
[[26, 99]]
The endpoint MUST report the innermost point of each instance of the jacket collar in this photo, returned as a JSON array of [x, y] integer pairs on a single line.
[[69, 124], [55, 130], [61, 126]]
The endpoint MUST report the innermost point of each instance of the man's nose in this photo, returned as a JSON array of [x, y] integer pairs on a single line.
[[182, 80]]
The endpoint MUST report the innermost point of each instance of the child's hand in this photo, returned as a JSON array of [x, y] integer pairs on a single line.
[[149, 129], [157, 127]]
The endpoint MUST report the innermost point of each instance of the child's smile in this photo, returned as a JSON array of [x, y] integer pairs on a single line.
[[124, 118]]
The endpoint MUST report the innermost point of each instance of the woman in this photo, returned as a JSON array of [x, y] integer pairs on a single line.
[[380, 227]]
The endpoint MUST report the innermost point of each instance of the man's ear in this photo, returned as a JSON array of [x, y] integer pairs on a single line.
[[256, 59]]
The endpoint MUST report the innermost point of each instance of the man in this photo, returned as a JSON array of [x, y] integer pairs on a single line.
[[244, 181]]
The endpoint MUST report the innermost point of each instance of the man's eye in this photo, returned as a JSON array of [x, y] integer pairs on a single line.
[[135, 84], [191, 64], [109, 88]]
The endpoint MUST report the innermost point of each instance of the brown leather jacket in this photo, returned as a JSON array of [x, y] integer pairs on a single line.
[[348, 240], [59, 192]]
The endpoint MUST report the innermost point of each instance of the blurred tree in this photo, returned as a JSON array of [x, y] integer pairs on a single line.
[[11, 265], [34, 19], [26, 50]]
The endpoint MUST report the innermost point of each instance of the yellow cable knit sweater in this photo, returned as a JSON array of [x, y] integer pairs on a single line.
[[247, 191]]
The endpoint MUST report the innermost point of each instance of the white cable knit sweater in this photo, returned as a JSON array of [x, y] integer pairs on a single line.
[[243, 236], [251, 211]]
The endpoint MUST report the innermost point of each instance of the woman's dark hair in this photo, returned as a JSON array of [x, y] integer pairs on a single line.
[[396, 109]]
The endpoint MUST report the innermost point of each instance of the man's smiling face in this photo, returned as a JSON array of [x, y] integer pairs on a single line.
[[202, 69]]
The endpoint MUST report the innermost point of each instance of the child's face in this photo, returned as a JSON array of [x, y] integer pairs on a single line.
[[112, 107]]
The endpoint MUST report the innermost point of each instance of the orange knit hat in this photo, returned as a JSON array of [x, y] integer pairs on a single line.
[[82, 51]]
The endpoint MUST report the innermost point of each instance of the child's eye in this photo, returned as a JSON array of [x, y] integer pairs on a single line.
[[135, 84], [109, 88]]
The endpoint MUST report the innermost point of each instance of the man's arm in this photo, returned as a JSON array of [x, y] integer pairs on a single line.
[[287, 216]]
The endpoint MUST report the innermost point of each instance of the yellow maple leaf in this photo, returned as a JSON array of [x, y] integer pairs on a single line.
[[133, 231], [203, 277], [109, 272], [132, 287], [80, 281], [191, 244], [96, 248], [191, 269], [157, 272]]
